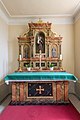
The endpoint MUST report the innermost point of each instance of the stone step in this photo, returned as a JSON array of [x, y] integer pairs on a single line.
[[75, 101], [5, 103]]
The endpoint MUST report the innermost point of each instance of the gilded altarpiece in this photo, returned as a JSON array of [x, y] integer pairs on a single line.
[[40, 37]]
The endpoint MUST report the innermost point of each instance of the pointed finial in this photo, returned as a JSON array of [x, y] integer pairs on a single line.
[[40, 21]]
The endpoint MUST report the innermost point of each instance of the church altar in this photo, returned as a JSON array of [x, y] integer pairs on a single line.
[[40, 86], [40, 49]]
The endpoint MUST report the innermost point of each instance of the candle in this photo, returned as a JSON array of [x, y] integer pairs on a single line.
[[20, 57], [60, 56]]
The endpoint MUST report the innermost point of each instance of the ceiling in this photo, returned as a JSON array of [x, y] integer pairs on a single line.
[[22, 8]]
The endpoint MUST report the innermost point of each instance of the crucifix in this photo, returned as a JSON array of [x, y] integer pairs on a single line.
[[40, 89], [40, 61], [40, 47]]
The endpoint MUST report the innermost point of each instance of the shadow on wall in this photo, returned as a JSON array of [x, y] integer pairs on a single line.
[[71, 87], [4, 91]]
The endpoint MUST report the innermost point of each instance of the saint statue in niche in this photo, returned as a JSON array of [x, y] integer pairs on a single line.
[[26, 50], [40, 42], [53, 52]]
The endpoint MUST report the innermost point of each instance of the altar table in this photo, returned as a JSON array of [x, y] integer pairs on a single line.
[[40, 86]]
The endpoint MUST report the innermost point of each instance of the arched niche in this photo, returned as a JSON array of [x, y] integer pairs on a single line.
[[26, 49], [54, 51], [40, 42]]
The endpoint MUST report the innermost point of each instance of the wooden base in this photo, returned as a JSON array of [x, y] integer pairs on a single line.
[[41, 70], [59, 92]]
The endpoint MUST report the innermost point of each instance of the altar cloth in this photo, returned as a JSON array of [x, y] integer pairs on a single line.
[[40, 76]]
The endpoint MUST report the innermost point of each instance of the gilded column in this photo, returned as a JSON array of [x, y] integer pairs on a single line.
[[22, 51]]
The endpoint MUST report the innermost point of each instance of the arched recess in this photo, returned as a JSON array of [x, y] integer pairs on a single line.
[[54, 50], [40, 36], [26, 51]]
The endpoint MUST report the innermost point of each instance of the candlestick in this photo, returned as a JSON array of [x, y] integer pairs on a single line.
[[20, 68]]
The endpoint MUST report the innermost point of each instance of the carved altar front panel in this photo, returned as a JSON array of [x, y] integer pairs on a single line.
[[54, 92]]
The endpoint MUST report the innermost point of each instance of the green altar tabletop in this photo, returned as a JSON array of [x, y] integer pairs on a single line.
[[40, 76]]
